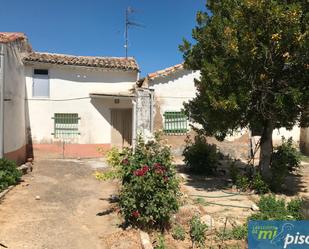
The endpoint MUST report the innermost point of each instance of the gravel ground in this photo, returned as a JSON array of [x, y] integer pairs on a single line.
[[56, 207]]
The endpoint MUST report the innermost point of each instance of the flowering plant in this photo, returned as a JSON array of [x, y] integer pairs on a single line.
[[150, 189]]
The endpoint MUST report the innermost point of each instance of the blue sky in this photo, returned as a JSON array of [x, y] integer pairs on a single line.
[[96, 27]]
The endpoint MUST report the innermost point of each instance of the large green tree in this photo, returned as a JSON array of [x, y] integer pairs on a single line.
[[253, 56]]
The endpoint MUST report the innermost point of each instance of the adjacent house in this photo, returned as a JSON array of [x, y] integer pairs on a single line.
[[172, 87], [13, 109]]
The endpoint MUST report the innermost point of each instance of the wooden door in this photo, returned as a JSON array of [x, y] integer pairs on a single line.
[[121, 120]]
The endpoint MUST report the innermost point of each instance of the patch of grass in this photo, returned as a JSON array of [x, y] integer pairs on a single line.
[[272, 208], [200, 201], [197, 231], [236, 233], [304, 158], [178, 232], [161, 243]]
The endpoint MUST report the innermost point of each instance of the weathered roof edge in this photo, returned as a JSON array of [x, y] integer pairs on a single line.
[[160, 73], [6, 37], [122, 63]]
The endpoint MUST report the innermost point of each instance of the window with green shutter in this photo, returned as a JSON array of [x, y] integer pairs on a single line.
[[66, 125], [175, 123]]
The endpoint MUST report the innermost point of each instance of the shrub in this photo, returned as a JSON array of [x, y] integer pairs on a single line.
[[234, 172], [249, 180], [113, 157], [285, 160], [178, 232], [239, 232], [197, 231], [287, 155], [242, 183], [9, 174], [201, 157], [259, 185], [150, 189], [277, 209], [295, 208]]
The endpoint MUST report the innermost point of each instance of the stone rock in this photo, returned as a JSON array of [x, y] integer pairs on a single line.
[[38, 197], [145, 240], [25, 168], [209, 221], [254, 207]]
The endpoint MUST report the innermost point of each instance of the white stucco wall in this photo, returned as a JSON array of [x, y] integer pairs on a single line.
[[14, 95], [171, 91], [69, 93]]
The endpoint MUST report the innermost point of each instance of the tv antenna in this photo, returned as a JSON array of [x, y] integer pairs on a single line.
[[129, 23]]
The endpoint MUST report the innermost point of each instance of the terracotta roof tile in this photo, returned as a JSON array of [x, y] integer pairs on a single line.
[[122, 63], [165, 72], [6, 37]]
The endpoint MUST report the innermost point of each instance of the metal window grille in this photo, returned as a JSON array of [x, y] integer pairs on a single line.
[[175, 123], [66, 125]]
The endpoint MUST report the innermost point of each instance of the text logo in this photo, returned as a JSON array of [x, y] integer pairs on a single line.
[[278, 234]]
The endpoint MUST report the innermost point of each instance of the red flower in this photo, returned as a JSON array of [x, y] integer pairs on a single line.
[[165, 179], [145, 168], [135, 214], [142, 171], [159, 169]]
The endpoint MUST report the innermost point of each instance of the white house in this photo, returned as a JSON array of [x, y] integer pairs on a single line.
[[13, 111], [85, 102], [171, 88], [66, 104]]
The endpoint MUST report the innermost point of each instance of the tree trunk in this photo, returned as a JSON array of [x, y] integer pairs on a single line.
[[266, 150]]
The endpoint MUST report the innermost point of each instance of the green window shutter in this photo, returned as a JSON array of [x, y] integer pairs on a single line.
[[66, 125], [175, 123]]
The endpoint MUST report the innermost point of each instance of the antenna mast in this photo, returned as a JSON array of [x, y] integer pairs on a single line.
[[126, 31], [129, 23]]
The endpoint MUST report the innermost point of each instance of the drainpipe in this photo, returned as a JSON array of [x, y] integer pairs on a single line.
[[151, 108], [1, 100], [134, 124]]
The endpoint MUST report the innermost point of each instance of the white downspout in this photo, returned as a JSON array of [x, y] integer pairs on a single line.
[[2, 100], [134, 124], [151, 109]]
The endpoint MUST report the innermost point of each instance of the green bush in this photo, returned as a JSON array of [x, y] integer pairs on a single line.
[[178, 232], [9, 174], [295, 208], [272, 208], [243, 183], [113, 157], [259, 185], [248, 181], [197, 231], [234, 172], [285, 159], [201, 157], [239, 232], [150, 189]]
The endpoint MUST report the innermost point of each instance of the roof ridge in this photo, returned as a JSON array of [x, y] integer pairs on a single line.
[[166, 71], [79, 56], [127, 64]]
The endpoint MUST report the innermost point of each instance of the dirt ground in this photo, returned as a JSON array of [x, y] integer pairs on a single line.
[[219, 201], [67, 214]]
